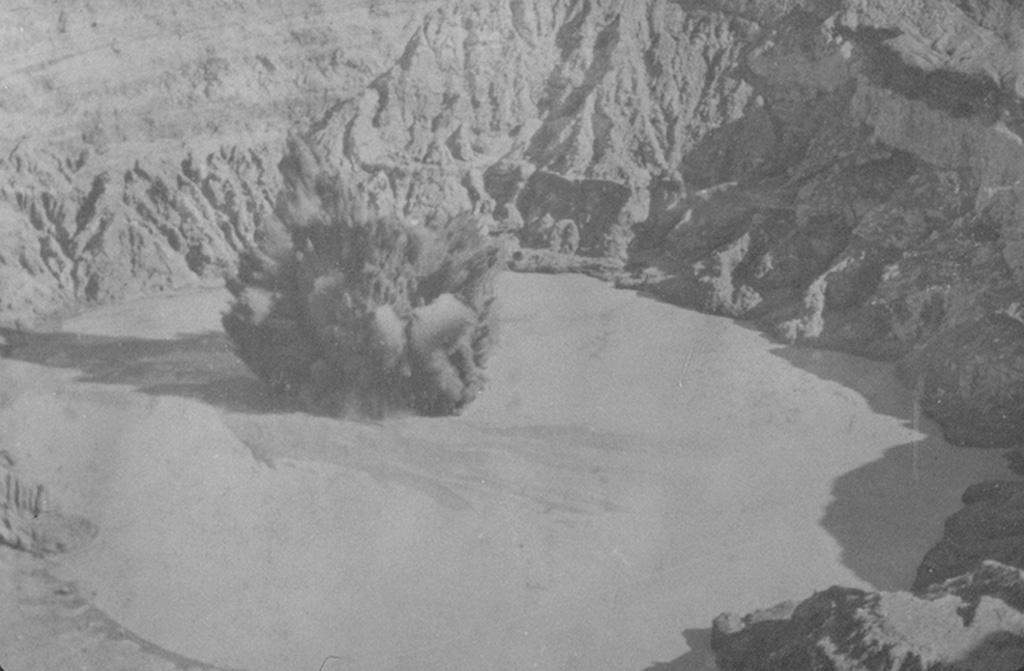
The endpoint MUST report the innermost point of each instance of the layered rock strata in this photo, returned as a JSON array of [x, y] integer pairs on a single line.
[[138, 143]]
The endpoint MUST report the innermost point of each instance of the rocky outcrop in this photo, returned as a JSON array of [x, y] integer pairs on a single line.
[[974, 622], [964, 610], [80, 234]]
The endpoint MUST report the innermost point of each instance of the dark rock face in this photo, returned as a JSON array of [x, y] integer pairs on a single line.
[[868, 202], [973, 378], [990, 526], [973, 622], [589, 209]]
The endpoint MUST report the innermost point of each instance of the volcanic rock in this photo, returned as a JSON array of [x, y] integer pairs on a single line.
[[973, 622]]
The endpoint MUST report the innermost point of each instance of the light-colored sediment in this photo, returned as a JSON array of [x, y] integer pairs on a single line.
[[632, 471]]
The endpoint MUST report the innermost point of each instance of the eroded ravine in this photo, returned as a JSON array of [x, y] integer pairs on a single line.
[[632, 470]]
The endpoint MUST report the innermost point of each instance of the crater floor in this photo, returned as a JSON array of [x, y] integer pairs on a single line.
[[632, 470]]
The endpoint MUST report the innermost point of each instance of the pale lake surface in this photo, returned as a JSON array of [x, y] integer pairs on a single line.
[[632, 470]]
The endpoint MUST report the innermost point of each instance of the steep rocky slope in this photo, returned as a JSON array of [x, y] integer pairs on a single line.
[[845, 172], [539, 112], [990, 526], [880, 212], [138, 141]]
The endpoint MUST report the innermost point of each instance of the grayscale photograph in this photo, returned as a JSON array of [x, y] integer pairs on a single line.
[[512, 335]]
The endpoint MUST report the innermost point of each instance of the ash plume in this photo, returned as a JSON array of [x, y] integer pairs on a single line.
[[352, 311]]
